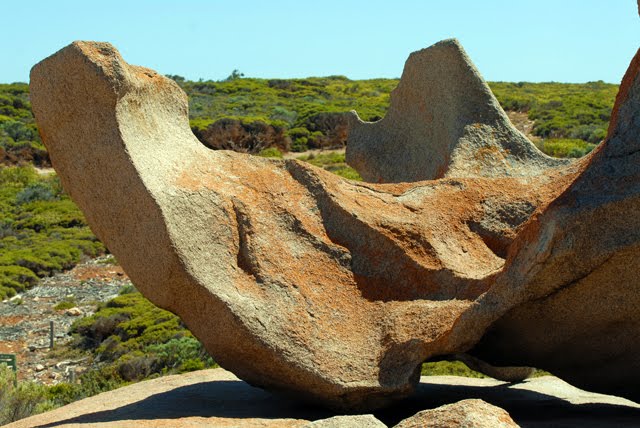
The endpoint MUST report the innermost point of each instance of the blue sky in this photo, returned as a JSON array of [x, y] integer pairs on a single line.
[[509, 40]]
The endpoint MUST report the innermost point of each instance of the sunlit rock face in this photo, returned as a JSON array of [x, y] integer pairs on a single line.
[[443, 121], [336, 291]]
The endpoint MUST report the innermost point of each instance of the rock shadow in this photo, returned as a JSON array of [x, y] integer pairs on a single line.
[[236, 399], [527, 408], [224, 399]]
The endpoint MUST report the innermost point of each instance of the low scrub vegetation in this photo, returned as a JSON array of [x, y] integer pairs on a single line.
[[301, 114], [333, 162], [133, 339], [127, 339], [291, 114], [561, 110], [566, 147], [19, 138], [449, 368], [41, 230], [20, 399]]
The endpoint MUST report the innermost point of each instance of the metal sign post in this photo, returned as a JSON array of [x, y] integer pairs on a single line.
[[11, 361]]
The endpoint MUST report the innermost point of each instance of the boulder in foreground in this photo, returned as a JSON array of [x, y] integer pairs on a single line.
[[471, 413]]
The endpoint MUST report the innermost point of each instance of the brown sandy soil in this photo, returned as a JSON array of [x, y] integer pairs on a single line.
[[106, 272], [523, 124]]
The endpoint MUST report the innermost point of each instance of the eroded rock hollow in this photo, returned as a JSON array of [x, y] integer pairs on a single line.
[[336, 291]]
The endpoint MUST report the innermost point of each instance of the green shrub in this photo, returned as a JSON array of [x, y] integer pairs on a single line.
[[346, 172], [21, 401], [127, 289], [96, 381], [567, 148], [15, 176], [271, 152], [67, 303], [15, 278], [136, 323], [183, 354], [561, 110], [449, 368], [135, 366], [35, 192], [19, 138], [64, 393], [90, 383], [299, 139], [41, 230], [133, 340], [333, 162]]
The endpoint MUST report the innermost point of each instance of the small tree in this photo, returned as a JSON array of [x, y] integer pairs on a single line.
[[235, 74], [176, 78]]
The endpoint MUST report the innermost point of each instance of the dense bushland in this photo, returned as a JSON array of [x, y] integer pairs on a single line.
[[561, 110], [306, 113], [133, 339], [250, 115], [19, 138]]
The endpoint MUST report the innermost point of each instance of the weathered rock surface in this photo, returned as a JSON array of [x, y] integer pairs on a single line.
[[443, 121], [471, 413], [336, 291], [349, 421], [570, 290], [216, 398]]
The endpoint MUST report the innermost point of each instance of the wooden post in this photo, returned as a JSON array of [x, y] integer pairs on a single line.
[[50, 334]]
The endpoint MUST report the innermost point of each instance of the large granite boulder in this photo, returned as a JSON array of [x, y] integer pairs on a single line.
[[336, 291], [443, 121], [569, 294]]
